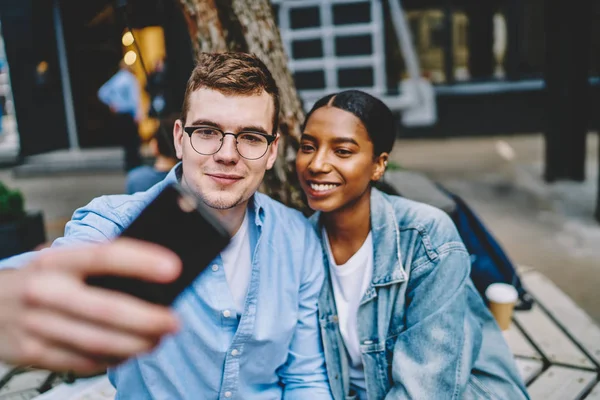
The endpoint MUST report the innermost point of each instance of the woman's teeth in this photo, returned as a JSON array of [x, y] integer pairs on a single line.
[[321, 187]]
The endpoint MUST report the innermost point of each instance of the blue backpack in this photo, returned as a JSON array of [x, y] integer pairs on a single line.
[[489, 263]]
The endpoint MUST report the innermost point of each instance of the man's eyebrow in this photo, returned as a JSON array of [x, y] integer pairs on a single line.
[[252, 128], [205, 122], [249, 128]]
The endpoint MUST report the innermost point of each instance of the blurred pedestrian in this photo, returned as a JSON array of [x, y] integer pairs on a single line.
[[157, 90], [121, 94], [144, 177]]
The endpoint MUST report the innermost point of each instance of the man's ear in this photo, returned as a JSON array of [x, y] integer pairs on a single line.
[[272, 152], [178, 134], [379, 166]]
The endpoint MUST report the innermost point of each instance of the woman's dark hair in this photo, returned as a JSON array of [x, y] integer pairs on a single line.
[[376, 117]]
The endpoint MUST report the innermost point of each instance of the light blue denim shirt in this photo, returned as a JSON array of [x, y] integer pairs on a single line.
[[424, 331], [271, 351]]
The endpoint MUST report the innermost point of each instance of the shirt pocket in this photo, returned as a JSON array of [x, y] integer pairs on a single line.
[[376, 364], [477, 390]]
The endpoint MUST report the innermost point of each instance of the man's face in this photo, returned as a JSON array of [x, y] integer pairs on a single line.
[[225, 180]]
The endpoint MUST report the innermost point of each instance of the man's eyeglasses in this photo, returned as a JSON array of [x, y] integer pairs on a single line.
[[208, 140]]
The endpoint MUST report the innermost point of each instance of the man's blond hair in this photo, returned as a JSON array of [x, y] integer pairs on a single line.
[[232, 73]]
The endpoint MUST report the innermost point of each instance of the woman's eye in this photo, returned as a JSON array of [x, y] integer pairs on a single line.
[[343, 152], [306, 148]]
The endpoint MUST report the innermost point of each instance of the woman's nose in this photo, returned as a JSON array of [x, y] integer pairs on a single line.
[[319, 164]]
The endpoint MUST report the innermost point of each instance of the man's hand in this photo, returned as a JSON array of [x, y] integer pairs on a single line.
[[51, 319]]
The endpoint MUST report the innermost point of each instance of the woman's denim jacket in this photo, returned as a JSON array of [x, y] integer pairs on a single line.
[[424, 331]]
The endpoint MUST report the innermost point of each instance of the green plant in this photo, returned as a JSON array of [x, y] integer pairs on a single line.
[[12, 204], [393, 166]]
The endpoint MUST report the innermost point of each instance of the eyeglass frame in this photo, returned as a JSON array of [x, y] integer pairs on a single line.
[[191, 129]]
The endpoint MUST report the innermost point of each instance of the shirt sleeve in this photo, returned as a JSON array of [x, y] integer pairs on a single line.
[[105, 93], [90, 224], [304, 375]]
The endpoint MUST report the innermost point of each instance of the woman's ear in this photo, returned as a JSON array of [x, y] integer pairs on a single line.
[[379, 167]]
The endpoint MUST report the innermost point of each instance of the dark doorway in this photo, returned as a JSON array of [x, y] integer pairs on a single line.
[[30, 41], [92, 40]]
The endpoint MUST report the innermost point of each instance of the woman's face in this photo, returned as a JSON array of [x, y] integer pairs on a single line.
[[335, 162]]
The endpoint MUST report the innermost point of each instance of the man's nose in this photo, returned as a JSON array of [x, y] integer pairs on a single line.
[[228, 152]]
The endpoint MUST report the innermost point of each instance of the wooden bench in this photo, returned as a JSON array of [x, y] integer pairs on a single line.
[[556, 344]]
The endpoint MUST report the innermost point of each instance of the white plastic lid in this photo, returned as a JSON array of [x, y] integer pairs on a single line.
[[501, 293]]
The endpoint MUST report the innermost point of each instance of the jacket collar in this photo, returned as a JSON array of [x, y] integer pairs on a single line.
[[387, 259]]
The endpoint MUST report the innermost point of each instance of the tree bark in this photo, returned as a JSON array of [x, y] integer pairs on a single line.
[[204, 25], [249, 25]]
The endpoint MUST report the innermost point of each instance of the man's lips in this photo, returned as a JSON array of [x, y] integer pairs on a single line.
[[225, 178]]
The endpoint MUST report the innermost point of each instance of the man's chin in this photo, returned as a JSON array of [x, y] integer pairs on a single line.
[[222, 202]]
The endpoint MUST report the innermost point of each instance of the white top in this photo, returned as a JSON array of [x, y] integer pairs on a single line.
[[237, 262], [350, 282]]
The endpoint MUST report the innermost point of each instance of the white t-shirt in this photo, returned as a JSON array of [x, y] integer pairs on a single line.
[[237, 263], [350, 282]]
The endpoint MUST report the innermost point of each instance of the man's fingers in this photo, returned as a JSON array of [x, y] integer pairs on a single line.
[[82, 337], [123, 257], [41, 354], [101, 307], [61, 360]]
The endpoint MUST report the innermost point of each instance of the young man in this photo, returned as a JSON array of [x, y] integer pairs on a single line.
[[248, 324]]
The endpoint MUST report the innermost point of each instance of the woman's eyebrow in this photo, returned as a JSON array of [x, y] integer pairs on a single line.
[[306, 136], [339, 140]]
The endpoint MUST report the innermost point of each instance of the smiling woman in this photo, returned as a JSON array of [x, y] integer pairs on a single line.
[[398, 266], [337, 157]]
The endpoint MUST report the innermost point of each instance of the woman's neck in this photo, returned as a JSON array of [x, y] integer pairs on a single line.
[[348, 228]]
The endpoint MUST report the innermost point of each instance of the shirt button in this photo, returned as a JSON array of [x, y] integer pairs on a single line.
[[228, 394], [227, 313], [215, 268], [234, 352]]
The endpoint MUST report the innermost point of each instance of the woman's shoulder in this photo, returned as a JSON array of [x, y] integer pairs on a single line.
[[432, 225]]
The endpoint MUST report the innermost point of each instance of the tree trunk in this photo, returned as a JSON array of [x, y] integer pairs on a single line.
[[249, 25], [204, 25]]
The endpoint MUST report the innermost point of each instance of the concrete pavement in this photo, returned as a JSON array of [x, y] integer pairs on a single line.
[[546, 226]]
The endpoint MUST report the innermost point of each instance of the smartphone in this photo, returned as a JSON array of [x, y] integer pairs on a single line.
[[177, 220]]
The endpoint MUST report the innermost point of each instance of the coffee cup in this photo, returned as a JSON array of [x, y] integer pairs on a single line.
[[502, 298]]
